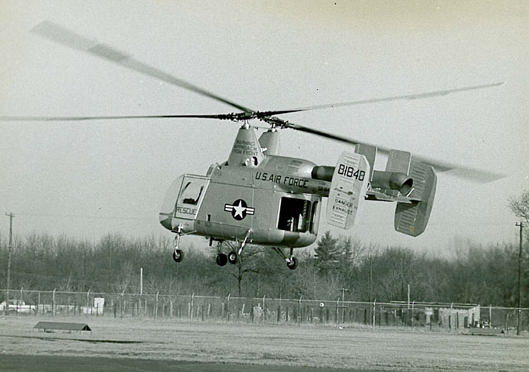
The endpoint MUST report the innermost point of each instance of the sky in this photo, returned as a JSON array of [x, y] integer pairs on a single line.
[[88, 179]]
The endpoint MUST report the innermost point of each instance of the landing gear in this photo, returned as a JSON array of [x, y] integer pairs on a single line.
[[222, 259], [233, 257], [292, 262], [178, 254]]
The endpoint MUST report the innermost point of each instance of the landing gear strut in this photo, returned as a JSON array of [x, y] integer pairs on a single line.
[[233, 256], [292, 262], [178, 254]]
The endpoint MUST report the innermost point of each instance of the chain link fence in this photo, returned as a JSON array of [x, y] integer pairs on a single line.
[[263, 310]]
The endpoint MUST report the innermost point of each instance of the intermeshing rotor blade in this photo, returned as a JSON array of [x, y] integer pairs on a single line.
[[82, 118], [72, 40], [469, 173], [431, 94], [461, 171], [56, 33]]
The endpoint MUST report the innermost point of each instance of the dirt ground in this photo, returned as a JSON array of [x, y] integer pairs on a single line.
[[267, 345]]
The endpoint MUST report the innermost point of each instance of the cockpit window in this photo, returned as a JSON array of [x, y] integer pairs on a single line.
[[192, 191]]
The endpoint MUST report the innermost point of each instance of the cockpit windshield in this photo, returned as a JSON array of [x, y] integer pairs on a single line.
[[191, 192]]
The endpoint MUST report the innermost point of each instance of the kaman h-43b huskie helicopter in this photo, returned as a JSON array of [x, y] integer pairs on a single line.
[[260, 197]]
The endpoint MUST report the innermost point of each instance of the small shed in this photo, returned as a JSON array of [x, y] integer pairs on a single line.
[[59, 326]]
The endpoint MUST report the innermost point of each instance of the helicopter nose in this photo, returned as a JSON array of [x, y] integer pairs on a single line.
[[165, 220]]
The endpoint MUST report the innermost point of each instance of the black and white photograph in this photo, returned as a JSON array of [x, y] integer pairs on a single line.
[[251, 185]]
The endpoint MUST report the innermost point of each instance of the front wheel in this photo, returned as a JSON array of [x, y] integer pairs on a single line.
[[293, 263], [178, 255]]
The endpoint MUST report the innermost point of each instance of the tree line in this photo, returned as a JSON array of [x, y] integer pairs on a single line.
[[337, 266]]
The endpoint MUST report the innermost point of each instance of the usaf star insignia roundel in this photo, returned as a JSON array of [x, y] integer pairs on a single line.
[[239, 209]]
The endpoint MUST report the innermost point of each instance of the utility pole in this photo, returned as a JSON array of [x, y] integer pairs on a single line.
[[520, 224], [9, 249]]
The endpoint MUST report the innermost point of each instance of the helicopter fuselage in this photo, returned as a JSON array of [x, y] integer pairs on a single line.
[[277, 203]]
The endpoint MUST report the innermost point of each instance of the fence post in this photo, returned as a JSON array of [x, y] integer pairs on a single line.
[[413, 314], [336, 312], [53, 303], [374, 312], [300, 312], [228, 307], [264, 309], [87, 301], [122, 304], [156, 306]]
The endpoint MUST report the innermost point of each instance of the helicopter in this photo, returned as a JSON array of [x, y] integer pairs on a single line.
[[258, 196]]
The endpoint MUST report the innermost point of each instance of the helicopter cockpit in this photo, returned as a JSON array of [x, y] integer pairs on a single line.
[[187, 191]]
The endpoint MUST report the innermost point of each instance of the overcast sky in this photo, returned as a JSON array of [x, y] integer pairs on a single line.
[[87, 179]]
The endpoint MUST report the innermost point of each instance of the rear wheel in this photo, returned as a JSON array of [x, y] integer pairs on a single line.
[[232, 257]]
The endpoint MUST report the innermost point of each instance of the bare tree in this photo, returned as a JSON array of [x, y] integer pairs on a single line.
[[245, 264], [520, 206]]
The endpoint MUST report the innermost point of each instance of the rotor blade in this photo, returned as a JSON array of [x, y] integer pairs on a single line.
[[82, 118], [436, 93], [301, 128], [469, 173], [461, 171], [70, 39]]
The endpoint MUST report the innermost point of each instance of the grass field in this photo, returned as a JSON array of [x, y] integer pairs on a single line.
[[274, 345]]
